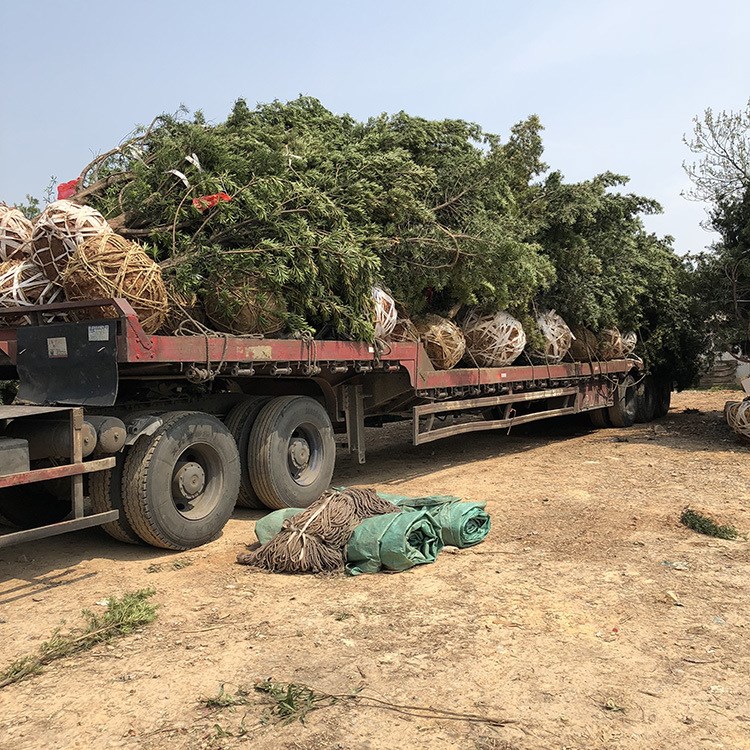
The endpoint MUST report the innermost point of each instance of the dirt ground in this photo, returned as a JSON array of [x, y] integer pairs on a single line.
[[590, 617]]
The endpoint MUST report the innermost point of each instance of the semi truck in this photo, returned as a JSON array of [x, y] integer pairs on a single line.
[[157, 438]]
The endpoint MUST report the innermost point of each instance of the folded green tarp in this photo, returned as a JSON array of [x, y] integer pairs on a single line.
[[393, 541], [267, 527], [462, 524]]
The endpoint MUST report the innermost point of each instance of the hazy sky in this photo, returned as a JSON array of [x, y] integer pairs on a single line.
[[616, 84]]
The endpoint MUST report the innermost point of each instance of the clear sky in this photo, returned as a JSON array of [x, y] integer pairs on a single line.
[[616, 84]]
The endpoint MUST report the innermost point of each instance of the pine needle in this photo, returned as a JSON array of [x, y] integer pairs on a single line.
[[121, 617]]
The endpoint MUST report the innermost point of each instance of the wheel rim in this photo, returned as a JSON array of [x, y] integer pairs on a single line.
[[197, 481], [304, 454]]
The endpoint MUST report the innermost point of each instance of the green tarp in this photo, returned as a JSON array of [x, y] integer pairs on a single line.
[[267, 527], [462, 524], [394, 541]]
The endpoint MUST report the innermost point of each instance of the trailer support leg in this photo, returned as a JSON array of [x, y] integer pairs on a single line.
[[76, 457], [354, 409]]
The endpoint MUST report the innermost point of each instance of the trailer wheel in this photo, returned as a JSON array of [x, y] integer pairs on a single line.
[[662, 397], [645, 400], [181, 483], [105, 491], [622, 413], [240, 423], [600, 418], [292, 452], [31, 505]]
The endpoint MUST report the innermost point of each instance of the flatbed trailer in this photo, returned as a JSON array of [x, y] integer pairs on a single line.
[[208, 421]]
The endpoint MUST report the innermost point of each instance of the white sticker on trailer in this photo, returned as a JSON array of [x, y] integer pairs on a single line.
[[57, 348], [98, 333]]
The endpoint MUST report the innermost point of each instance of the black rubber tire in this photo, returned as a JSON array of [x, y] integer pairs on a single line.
[[105, 491], [240, 423], [28, 506], [645, 400], [147, 491], [622, 412], [600, 418], [269, 455], [662, 397]]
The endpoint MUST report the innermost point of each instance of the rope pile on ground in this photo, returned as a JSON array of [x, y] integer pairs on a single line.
[[314, 539]]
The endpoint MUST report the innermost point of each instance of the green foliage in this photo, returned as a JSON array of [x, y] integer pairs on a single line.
[[8, 390], [442, 213], [122, 616], [706, 525]]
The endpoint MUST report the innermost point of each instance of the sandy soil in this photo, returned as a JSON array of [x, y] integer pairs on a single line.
[[590, 617]]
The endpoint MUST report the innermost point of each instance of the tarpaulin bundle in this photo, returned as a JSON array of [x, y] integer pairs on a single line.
[[462, 524], [394, 541], [313, 540]]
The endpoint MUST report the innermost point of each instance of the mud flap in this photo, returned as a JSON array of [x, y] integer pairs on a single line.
[[68, 363]]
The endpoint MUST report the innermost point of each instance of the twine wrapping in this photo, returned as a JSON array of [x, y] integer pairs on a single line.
[[23, 284], [182, 308], [15, 234], [443, 340], [404, 332], [237, 303], [629, 341], [385, 313], [60, 230], [314, 540], [557, 338], [494, 340], [737, 415], [108, 265], [610, 344]]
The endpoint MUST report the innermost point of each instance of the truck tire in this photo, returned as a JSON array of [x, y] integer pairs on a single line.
[[645, 400], [662, 397], [240, 423], [28, 506], [622, 412], [181, 483], [292, 452], [600, 418], [105, 492]]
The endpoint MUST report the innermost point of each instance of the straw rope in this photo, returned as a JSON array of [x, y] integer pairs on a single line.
[[62, 227], [108, 265], [237, 303], [737, 414], [442, 339], [15, 234], [493, 340]]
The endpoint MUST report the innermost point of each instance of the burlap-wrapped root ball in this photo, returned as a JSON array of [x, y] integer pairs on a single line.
[[23, 284], [60, 230], [15, 234], [238, 303], [584, 345], [629, 341], [494, 340], [443, 340], [184, 311], [557, 338], [385, 313], [107, 266], [404, 332], [730, 411], [610, 345]]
